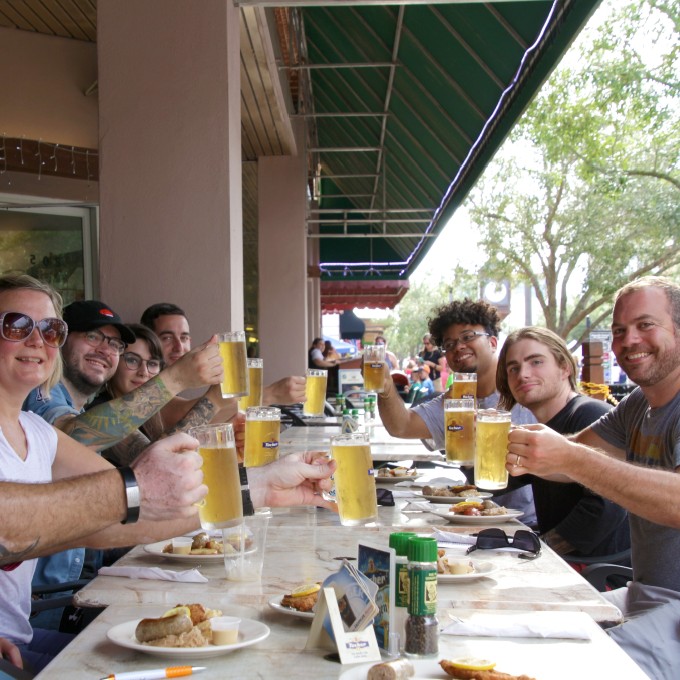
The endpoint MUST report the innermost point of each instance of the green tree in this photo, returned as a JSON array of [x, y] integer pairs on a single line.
[[592, 199]]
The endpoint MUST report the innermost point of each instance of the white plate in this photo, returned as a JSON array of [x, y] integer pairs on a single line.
[[157, 549], [452, 500], [476, 519], [396, 480], [427, 668], [250, 632], [482, 569], [275, 603]]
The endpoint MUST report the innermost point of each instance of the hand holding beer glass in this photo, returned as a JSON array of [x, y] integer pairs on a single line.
[[222, 506], [256, 387], [315, 392], [263, 428], [374, 368], [493, 428], [459, 431], [353, 478], [233, 353]]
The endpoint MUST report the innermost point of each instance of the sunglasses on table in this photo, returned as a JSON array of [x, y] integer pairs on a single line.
[[493, 539], [15, 327]]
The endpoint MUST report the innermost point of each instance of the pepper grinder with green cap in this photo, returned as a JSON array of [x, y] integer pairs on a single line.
[[422, 626]]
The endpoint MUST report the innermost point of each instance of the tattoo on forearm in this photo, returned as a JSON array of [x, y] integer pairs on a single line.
[[8, 556], [107, 424], [201, 413]]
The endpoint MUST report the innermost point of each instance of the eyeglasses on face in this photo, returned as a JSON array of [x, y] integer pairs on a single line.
[[493, 539], [97, 339], [134, 361], [463, 339], [15, 327]]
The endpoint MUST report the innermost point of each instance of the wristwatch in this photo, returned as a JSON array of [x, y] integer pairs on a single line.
[[132, 495]]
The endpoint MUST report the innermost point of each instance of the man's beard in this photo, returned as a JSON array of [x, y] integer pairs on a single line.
[[81, 382], [664, 365]]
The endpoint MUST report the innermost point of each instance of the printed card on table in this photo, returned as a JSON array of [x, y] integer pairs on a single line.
[[378, 564]]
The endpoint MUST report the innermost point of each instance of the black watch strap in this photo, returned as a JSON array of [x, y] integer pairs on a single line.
[[132, 495], [248, 508]]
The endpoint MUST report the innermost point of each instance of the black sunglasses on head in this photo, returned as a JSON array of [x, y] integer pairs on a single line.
[[493, 539]]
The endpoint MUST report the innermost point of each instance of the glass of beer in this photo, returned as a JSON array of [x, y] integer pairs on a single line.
[[263, 426], [374, 368], [353, 479], [256, 394], [233, 353], [459, 430], [222, 507], [315, 392], [464, 386], [493, 428]]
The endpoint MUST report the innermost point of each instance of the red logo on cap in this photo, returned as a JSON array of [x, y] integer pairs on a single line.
[[106, 312]]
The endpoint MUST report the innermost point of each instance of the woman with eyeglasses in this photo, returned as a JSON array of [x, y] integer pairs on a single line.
[[141, 361]]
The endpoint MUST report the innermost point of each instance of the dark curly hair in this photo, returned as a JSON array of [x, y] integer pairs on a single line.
[[467, 311]]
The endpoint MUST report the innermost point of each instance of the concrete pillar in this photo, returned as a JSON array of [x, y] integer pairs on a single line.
[[282, 244], [170, 168]]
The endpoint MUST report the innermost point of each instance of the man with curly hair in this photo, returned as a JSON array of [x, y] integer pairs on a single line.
[[467, 332]]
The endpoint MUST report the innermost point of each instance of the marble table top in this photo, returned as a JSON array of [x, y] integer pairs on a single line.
[[307, 545]]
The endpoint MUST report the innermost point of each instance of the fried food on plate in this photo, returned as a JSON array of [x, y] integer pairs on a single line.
[[302, 598], [476, 669]]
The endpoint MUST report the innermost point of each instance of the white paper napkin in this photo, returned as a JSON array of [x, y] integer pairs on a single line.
[[421, 506], [452, 537], [532, 624], [187, 576], [437, 481]]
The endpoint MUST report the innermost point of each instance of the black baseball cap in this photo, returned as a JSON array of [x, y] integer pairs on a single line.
[[84, 315]]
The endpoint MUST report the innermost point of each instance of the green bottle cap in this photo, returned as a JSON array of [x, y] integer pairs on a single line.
[[421, 549], [399, 541], [355, 411]]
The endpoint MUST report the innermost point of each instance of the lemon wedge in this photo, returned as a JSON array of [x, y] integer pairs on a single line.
[[468, 504], [303, 591], [177, 610], [472, 664]]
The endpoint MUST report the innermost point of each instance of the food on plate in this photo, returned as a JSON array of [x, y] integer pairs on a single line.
[[399, 669], [203, 544], [448, 565], [475, 508], [396, 472], [462, 491], [476, 669], [303, 598], [186, 625]]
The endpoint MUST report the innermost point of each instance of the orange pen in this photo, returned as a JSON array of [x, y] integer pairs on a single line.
[[157, 673]]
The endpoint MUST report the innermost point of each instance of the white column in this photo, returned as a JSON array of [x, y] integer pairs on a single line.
[[282, 265], [170, 169]]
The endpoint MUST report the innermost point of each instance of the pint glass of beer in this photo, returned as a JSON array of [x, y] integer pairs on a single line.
[[233, 353], [315, 391], [374, 368], [263, 426], [459, 430], [493, 428], [464, 386], [254, 398], [222, 507], [353, 478]]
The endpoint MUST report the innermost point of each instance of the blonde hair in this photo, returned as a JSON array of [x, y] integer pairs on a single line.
[[10, 282], [552, 341]]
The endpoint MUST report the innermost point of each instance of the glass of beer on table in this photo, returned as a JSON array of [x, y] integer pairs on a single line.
[[233, 353], [459, 430], [222, 507], [263, 427], [353, 479], [374, 368], [464, 386], [493, 428], [256, 387], [315, 392]]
